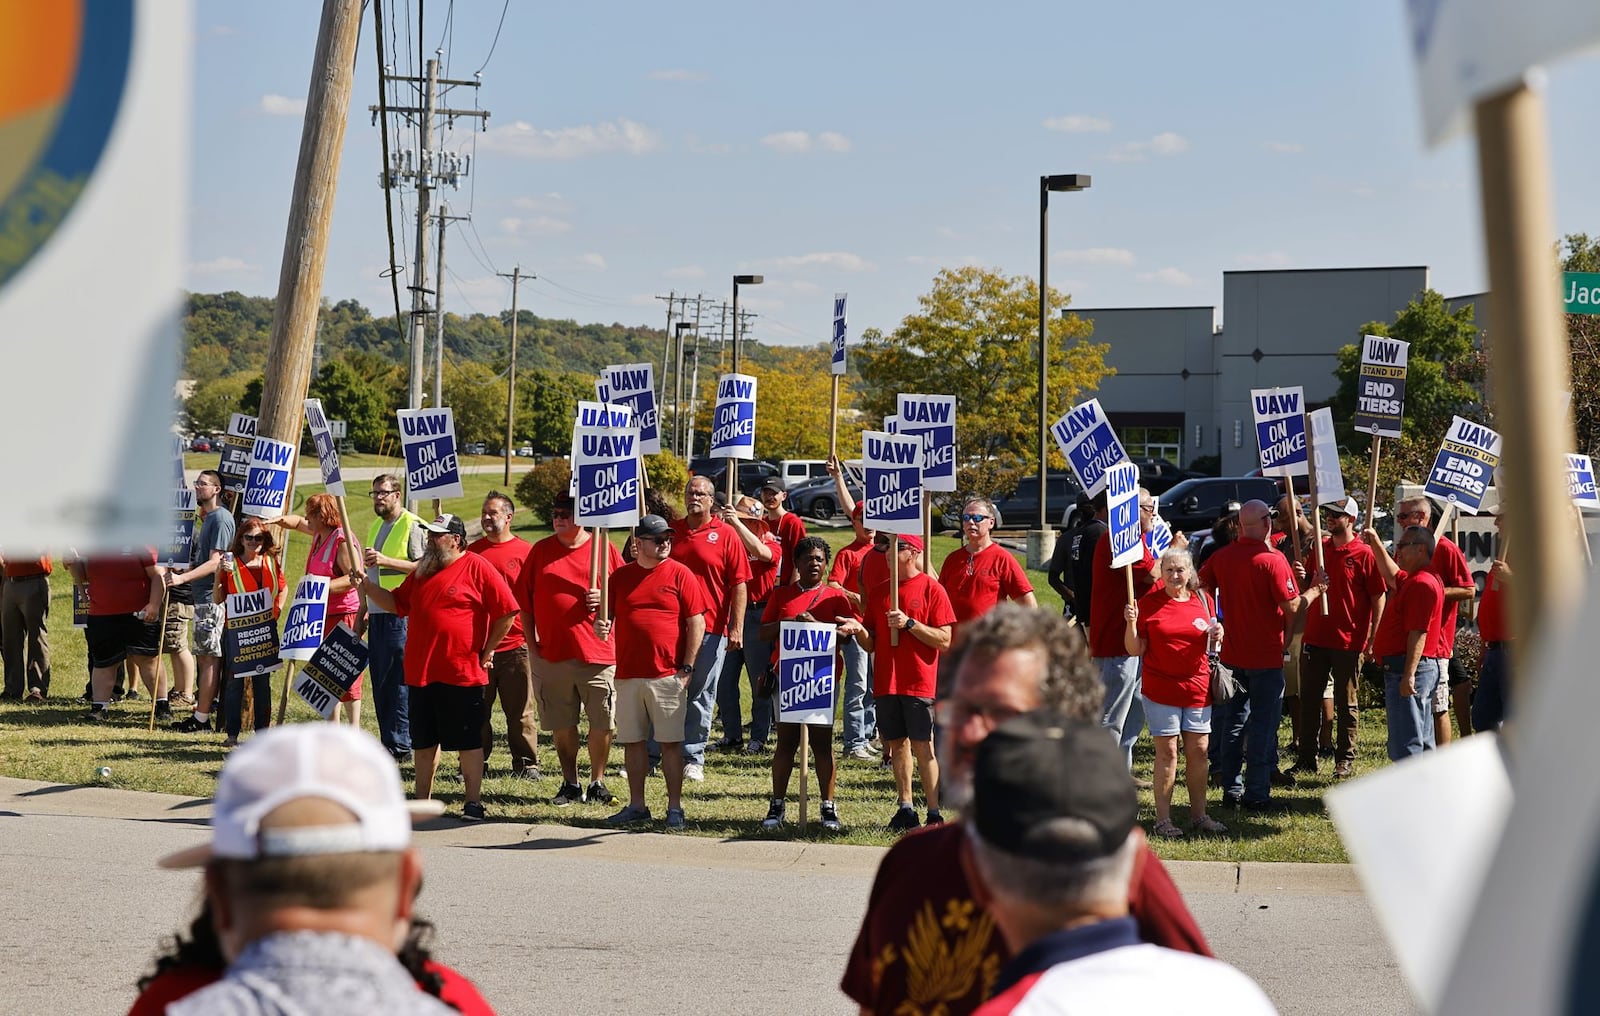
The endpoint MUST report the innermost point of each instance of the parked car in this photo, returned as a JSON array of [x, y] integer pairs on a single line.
[[525, 452], [751, 475], [1019, 508], [1159, 476], [819, 499], [1197, 503], [475, 448], [200, 444], [796, 472]]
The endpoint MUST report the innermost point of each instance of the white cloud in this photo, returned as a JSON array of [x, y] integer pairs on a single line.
[[1167, 277], [538, 225], [1283, 147], [1078, 123], [797, 142], [679, 74], [1096, 256], [688, 272], [524, 141], [837, 260], [220, 266], [1163, 145], [832, 141], [282, 105]]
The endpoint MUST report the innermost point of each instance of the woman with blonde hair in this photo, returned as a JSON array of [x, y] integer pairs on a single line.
[[331, 558]]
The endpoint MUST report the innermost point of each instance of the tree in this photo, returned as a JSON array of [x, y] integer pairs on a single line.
[[213, 402], [792, 398], [976, 337], [347, 396], [547, 407], [1581, 254], [478, 396]]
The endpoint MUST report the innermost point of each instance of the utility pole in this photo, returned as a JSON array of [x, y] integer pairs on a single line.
[[677, 386], [694, 391], [666, 353], [516, 277], [442, 219], [722, 338]]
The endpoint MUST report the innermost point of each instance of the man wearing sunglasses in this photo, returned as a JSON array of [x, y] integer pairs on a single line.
[[395, 543], [1410, 624], [1450, 565], [982, 573]]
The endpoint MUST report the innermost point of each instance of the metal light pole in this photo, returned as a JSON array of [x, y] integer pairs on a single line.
[[677, 387], [738, 280], [1041, 543]]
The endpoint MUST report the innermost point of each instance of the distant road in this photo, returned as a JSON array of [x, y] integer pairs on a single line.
[[313, 475]]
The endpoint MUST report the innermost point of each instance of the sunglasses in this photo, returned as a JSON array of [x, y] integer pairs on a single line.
[[561, 513], [974, 518], [253, 537], [658, 540]]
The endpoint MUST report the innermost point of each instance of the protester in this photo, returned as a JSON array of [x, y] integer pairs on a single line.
[[1012, 660], [711, 550], [1410, 625], [25, 627], [784, 523], [1299, 548], [1054, 844], [658, 613], [462, 610], [1491, 701], [764, 552], [124, 597], [1223, 532], [176, 645], [250, 565], [330, 557], [1450, 565], [807, 599], [212, 538], [1334, 642], [860, 713], [1259, 598], [1063, 569], [310, 878], [905, 675], [981, 573], [510, 676], [1123, 711], [655, 503], [573, 670], [1172, 630]]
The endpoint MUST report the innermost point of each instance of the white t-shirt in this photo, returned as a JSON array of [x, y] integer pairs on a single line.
[[1134, 980]]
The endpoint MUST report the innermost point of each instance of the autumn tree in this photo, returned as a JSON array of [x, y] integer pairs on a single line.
[[478, 397], [793, 394], [548, 405]]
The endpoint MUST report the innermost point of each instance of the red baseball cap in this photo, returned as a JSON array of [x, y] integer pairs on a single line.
[[910, 540], [858, 510]]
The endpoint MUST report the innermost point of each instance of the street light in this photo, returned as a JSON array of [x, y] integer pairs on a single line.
[[677, 392], [738, 280], [1040, 549]]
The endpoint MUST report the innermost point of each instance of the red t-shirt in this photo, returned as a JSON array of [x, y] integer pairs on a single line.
[[28, 567], [1251, 580], [717, 558], [449, 616], [649, 608], [926, 940], [912, 667], [1492, 626], [977, 582], [1450, 566], [555, 582], [119, 585], [873, 576], [1413, 607], [1109, 596], [846, 569], [763, 574], [1353, 580], [1175, 671], [825, 603], [509, 557], [790, 532]]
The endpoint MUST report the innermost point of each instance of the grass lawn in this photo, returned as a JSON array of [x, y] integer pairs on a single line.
[[47, 742]]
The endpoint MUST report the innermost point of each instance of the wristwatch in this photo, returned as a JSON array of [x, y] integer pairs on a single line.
[[687, 668], [911, 623]]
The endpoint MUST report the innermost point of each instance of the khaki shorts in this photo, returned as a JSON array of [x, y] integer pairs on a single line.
[[176, 636], [1291, 669], [565, 687], [645, 703]]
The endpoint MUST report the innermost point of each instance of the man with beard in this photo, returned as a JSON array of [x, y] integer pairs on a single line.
[[510, 677], [461, 610], [395, 541], [1012, 660]]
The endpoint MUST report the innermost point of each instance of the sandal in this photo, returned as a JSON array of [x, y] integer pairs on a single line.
[[1165, 828], [1207, 824]]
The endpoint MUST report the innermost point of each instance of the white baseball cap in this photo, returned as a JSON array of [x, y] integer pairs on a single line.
[[1346, 507], [324, 760]]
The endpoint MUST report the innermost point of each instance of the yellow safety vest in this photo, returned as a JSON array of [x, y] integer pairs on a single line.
[[396, 545]]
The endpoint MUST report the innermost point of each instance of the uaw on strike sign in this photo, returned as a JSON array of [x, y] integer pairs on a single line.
[[1281, 430], [607, 470], [1089, 444], [806, 679], [893, 495]]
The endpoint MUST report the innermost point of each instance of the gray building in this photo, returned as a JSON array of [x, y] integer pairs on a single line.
[[1184, 374]]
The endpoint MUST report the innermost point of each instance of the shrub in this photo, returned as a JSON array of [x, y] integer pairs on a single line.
[[668, 474], [542, 484]]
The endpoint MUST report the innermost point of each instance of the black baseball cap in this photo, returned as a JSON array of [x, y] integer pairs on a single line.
[[447, 523], [562, 501], [652, 525], [1041, 766], [773, 483]]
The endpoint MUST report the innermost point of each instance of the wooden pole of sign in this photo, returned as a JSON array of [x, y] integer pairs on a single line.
[[594, 558], [283, 696], [1127, 573], [161, 660], [1316, 518], [1530, 351], [927, 534], [894, 584], [805, 766], [1583, 536], [833, 420], [1372, 484], [603, 537]]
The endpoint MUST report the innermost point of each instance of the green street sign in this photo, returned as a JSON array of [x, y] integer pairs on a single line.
[[1580, 291]]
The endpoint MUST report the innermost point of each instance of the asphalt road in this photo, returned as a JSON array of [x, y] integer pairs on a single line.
[[554, 919]]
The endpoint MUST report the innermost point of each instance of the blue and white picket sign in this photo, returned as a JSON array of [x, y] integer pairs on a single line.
[[606, 466], [176, 552], [634, 385], [733, 426], [933, 417], [303, 624], [250, 633], [332, 670], [327, 454], [178, 477], [893, 494], [602, 385], [841, 328], [891, 424], [236, 444], [1122, 504], [80, 606], [806, 679], [1464, 467], [1281, 430], [1580, 481], [1085, 437], [266, 485], [1159, 538], [428, 437], [594, 414], [1381, 386], [1325, 451]]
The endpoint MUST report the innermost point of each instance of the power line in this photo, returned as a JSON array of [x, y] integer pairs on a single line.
[[496, 41], [388, 206]]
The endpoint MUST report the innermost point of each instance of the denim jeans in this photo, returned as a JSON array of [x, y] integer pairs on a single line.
[[860, 714], [702, 694], [753, 659], [1489, 706], [1410, 717], [1123, 713], [233, 702], [1249, 734], [386, 640]]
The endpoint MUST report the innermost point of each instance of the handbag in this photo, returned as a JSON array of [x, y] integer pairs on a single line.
[[1223, 687]]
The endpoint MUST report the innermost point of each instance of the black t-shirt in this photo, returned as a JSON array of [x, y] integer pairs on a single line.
[[1083, 541]]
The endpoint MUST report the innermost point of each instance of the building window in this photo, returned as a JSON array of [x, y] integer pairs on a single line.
[[1154, 442]]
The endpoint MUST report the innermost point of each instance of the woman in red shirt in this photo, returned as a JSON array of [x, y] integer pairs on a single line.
[[249, 566], [1173, 630]]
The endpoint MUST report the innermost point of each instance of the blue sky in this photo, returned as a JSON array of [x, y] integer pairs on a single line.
[[860, 147]]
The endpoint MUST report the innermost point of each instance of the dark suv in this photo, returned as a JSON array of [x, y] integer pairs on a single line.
[[751, 475], [1197, 503], [1019, 509], [1159, 476]]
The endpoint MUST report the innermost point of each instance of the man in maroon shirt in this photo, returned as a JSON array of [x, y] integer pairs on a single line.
[[1450, 565], [1012, 660], [1409, 626], [510, 677]]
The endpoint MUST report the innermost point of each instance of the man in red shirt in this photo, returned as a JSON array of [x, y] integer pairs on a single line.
[[125, 594], [458, 609], [1012, 660], [1334, 642], [25, 624], [1489, 702], [1122, 712], [982, 573], [573, 669], [510, 677], [1259, 598], [860, 714], [783, 522], [658, 609], [905, 678], [711, 550], [764, 551], [1410, 624], [1450, 565]]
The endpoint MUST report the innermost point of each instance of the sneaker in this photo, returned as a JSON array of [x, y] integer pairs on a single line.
[[132, 695], [1325, 751], [181, 700], [569, 793], [230, 742], [862, 753], [190, 725], [164, 711], [774, 817], [34, 695], [934, 817], [694, 772], [1343, 771], [728, 744], [674, 819], [1269, 805], [904, 820], [99, 714], [755, 747], [473, 811], [598, 794], [830, 818], [630, 816], [886, 762], [1283, 778], [531, 774], [403, 758]]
